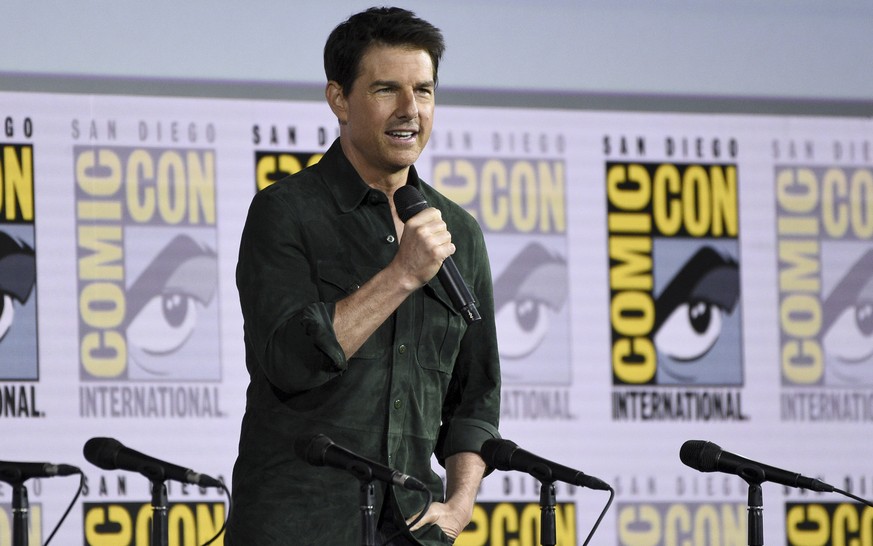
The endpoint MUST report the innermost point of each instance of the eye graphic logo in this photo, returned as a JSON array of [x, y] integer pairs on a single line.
[[147, 274], [847, 326], [171, 322], [17, 306], [520, 205], [528, 296], [674, 274], [696, 330], [17, 277]]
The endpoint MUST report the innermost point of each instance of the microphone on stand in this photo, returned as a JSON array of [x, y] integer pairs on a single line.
[[110, 454], [709, 457], [506, 455], [13, 472], [319, 450]]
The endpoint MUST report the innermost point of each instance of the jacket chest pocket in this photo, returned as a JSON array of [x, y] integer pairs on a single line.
[[439, 331]]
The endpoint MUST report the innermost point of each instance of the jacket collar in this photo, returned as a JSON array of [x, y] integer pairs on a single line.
[[348, 188]]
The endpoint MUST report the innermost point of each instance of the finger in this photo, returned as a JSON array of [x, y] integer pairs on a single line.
[[411, 518], [429, 517]]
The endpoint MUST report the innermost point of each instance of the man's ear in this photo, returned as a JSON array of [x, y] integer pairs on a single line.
[[337, 101]]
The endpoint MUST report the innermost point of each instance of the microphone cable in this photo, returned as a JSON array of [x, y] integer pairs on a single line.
[[408, 528], [600, 518], [853, 497], [226, 517], [70, 507]]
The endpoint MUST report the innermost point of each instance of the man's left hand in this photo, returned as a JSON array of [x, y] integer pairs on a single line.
[[452, 522]]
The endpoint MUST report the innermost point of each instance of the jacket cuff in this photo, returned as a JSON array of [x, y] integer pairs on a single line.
[[317, 321], [464, 435]]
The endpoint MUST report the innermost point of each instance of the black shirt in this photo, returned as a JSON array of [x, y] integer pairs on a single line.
[[424, 383]]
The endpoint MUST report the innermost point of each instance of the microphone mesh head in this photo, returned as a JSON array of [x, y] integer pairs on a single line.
[[497, 453], [408, 201], [101, 452], [700, 455], [311, 448]]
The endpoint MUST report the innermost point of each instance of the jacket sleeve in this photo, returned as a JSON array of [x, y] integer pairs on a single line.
[[471, 409], [289, 332]]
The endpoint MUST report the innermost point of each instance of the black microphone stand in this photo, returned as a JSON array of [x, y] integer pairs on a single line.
[[160, 528], [756, 514], [20, 512], [754, 476], [368, 513], [367, 498], [548, 532]]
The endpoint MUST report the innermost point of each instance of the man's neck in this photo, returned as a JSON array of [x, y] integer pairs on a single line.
[[378, 179]]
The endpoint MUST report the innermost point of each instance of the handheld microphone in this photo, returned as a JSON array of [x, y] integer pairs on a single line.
[[110, 454], [506, 455], [319, 450], [13, 472], [708, 457], [408, 201]]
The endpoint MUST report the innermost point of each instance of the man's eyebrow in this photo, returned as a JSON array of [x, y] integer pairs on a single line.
[[393, 83]]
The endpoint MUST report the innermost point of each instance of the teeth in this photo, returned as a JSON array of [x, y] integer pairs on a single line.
[[401, 134]]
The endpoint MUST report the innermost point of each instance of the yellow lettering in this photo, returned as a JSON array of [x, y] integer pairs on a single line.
[[504, 521], [808, 526], [171, 185], [802, 361], [800, 272], [797, 194], [104, 354], [862, 203], [633, 359], [108, 526], [639, 526], [667, 196], [631, 263], [495, 209], [104, 262], [98, 174], [16, 179], [628, 187], [677, 526], [632, 313], [140, 198]]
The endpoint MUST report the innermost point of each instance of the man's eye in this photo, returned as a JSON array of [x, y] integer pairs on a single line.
[[690, 331], [850, 338], [522, 325], [164, 324]]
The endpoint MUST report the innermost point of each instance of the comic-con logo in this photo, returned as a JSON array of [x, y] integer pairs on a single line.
[[667, 524], [825, 259], [674, 274], [519, 524], [521, 206], [18, 331], [147, 268], [270, 167], [129, 523], [33, 518], [828, 524]]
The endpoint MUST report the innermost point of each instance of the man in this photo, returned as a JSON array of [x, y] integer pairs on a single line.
[[348, 332]]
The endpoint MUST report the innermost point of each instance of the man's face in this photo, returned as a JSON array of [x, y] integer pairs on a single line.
[[389, 111]]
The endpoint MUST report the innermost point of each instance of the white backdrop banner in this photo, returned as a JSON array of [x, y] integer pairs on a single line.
[[658, 278]]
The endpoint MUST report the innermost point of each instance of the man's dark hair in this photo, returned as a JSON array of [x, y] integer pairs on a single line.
[[349, 41]]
